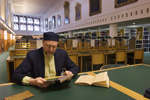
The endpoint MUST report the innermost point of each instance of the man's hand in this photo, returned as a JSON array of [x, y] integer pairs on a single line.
[[39, 82], [68, 73]]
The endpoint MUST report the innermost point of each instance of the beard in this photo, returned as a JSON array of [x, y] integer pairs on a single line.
[[49, 53]]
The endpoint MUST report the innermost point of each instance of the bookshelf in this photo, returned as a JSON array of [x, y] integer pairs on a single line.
[[131, 33], [146, 39], [1, 41], [127, 34], [139, 38], [134, 33], [139, 44]]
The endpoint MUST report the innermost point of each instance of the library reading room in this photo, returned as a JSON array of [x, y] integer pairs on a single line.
[[74, 49]]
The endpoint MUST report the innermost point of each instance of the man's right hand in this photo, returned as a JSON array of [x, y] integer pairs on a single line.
[[39, 81]]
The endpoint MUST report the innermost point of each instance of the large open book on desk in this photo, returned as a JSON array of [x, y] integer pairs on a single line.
[[100, 79]]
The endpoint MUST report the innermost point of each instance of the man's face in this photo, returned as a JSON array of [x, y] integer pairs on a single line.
[[49, 47]]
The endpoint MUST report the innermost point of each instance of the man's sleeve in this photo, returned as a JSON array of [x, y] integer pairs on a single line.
[[71, 66], [22, 70], [25, 80]]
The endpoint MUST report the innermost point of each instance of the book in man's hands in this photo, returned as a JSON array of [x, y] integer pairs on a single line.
[[100, 79], [64, 78], [60, 80]]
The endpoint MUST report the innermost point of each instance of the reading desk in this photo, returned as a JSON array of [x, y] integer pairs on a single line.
[[126, 83]]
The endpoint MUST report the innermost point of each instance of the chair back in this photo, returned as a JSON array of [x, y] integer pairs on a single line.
[[22, 46], [74, 58], [98, 58], [138, 53], [121, 55], [17, 62]]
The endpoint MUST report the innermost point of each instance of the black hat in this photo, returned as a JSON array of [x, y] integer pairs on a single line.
[[51, 36]]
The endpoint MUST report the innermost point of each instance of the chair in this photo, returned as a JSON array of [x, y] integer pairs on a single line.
[[83, 46], [69, 45], [74, 58], [32, 44], [22, 46], [18, 61], [62, 45], [74, 49], [121, 56], [137, 56], [97, 59], [68, 49], [21, 52]]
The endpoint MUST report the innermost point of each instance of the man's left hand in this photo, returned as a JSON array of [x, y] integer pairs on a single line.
[[68, 73]]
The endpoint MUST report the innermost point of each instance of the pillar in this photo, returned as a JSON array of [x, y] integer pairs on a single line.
[[5, 40], [113, 30], [70, 34]]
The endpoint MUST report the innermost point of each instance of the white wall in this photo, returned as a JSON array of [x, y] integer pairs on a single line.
[[3, 9], [28, 33], [5, 12], [109, 14]]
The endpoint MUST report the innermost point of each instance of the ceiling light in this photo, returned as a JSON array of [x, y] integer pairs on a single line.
[[133, 23]]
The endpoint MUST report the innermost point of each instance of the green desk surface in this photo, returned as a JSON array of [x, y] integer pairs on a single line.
[[133, 78], [65, 92]]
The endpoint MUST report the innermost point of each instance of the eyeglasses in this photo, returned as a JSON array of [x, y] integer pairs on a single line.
[[51, 46]]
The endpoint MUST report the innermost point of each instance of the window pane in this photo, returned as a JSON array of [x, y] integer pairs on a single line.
[[30, 27], [22, 27], [36, 21], [36, 28], [30, 20], [16, 27], [15, 18], [26, 23], [22, 19]]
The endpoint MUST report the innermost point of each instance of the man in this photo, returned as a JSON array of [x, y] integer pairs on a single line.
[[48, 61]]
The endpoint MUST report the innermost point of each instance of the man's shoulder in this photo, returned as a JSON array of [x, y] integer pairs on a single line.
[[61, 51], [35, 51]]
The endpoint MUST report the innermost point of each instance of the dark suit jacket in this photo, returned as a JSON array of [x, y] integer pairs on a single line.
[[35, 65]]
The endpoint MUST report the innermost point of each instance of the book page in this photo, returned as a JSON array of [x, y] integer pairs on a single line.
[[101, 79], [92, 42], [85, 80], [75, 43]]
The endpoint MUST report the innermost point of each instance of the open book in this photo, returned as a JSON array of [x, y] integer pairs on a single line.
[[100, 79]]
